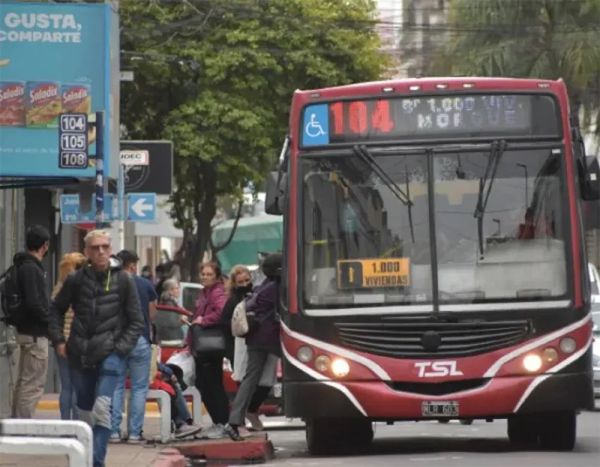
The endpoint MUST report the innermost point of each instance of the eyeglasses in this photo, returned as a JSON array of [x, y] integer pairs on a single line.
[[104, 246]]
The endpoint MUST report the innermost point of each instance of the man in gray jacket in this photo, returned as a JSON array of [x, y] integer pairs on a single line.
[[106, 326]]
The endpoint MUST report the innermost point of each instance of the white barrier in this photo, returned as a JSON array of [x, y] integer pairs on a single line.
[[164, 402], [42, 437]]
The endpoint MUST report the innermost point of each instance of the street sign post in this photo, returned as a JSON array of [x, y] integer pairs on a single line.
[[141, 207], [70, 212], [73, 141]]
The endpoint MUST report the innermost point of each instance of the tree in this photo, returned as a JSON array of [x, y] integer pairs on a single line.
[[217, 78], [548, 39]]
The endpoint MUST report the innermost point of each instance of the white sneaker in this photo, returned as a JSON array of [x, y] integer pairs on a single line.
[[212, 432], [186, 430], [255, 422]]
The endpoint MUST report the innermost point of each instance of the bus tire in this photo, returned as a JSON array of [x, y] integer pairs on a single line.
[[466, 421], [559, 431], [330, 436], [523, 431]]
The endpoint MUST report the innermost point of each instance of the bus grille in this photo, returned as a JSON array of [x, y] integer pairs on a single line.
[[402, 338]]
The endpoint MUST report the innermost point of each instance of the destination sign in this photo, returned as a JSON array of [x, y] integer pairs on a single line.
[[399, 118], [373, 273]]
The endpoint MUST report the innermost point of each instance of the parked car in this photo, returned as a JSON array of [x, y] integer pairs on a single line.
[[596, 347], [171, 334]]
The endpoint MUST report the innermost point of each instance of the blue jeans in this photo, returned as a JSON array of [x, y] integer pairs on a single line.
[[138, 364], [67, 400], [95, 388], [184, 414]]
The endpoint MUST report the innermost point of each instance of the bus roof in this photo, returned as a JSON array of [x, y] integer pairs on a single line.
[[438, 84]]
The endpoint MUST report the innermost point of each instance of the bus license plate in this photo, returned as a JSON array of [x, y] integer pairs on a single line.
[[440, 409], [277, 391]]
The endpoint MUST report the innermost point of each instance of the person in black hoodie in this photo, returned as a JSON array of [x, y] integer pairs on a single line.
[[31, 323]]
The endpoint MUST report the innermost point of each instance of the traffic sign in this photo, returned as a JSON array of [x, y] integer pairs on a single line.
[[135, 157], [141, 207], [71, 214], [73, 141]]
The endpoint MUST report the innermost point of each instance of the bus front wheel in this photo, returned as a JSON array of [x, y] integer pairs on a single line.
[[523, 431], [558, 432], [328, 436]]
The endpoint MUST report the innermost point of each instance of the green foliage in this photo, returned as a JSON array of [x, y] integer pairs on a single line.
[[548, 39], [217, 78]]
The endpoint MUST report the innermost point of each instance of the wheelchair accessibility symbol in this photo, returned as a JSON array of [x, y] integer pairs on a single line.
[[316, 125], [314, 128]]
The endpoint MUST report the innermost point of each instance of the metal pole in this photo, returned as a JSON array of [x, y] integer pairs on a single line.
[[99, 169], [121, 206]]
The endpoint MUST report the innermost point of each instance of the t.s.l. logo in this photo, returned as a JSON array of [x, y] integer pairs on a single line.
[[438, 369]]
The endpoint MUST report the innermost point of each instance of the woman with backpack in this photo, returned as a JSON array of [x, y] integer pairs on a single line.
[[67, 399], [240, 288], [262, 340]]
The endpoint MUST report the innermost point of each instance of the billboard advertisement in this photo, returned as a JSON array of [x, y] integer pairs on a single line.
[[56, 58]]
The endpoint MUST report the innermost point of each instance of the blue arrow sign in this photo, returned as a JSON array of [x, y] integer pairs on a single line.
[[141, 207], [70, 213]]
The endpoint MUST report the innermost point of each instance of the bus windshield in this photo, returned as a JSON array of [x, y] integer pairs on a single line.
[[364, 246]]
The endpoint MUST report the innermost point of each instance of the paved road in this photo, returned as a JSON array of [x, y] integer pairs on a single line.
[[429, 444]]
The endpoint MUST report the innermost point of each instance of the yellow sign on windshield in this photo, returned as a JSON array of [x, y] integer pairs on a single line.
[[371, 273]]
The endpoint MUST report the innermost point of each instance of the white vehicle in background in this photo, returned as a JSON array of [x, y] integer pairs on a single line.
[[594, 283], [189, 295]]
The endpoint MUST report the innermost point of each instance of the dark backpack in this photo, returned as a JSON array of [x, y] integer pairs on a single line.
[[10, 296]]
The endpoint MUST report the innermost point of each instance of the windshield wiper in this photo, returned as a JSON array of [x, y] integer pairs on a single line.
[[363, 153], [496, 152]]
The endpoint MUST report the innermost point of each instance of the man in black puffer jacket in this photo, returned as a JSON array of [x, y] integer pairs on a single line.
[[106, 326]]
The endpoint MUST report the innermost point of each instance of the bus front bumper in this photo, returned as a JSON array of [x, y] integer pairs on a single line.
[[495, 398]]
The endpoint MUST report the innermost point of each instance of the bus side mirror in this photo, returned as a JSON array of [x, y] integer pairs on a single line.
[[275, 194], [589, 172]]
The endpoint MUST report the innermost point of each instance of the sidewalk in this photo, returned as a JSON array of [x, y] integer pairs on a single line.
[[119, 455]]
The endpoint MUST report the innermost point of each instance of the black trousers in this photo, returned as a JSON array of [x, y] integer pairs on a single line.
[[209, 381]]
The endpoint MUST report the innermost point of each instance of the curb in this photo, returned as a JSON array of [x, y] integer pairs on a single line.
[[151, 407], [169, 458], [257, 449]]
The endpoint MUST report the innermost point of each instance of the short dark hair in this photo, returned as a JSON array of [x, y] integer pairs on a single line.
[[128, 257], [36, 237], [272, 264]]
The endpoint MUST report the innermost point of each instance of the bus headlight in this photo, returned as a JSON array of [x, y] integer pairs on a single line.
[[322, 363], [532, 362], [568, 345], [305, 354], [550, 355], [340, 367]]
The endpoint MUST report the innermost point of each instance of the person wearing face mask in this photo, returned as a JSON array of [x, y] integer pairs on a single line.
[[32, 322], [238, 287]]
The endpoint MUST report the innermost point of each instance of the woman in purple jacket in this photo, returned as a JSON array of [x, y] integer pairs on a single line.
[[209, 368], [262, 341]]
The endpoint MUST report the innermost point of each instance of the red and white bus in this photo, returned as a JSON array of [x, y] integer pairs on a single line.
[[434, 258]]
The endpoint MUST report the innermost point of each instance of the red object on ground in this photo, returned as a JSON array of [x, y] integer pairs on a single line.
[[170, 458], [254, 449]]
